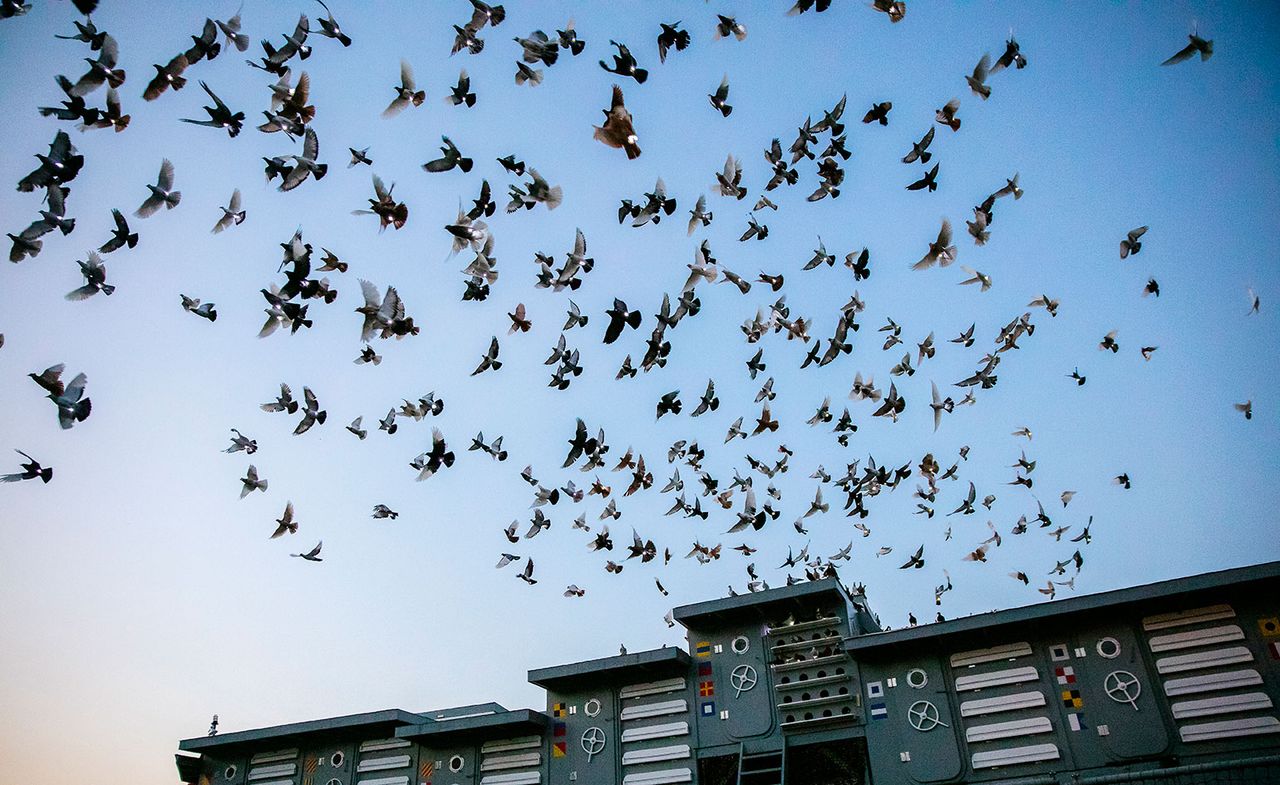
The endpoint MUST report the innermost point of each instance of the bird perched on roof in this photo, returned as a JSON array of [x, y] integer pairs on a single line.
[[618, 131]]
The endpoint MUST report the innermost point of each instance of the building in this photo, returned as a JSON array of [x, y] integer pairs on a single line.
[[1172, 682]]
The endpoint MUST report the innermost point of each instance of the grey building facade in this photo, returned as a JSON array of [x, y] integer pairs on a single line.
[[1173, 682]]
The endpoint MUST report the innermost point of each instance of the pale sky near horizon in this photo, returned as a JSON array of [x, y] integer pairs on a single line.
[[141, 596]]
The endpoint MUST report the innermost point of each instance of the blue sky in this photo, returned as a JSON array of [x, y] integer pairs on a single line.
[[142, 595]]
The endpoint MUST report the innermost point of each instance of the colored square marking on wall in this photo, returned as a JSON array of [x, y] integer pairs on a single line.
[[557, 710], [1269, 627], [1273, 648], [702, 649], [426, 769], [1075, 720], [558, 729], [1059, 652], [1066, 674], [708, 708], [875, 689], [879, 711], [704, 669], [1072, 700], [706, 689], [559, 749]]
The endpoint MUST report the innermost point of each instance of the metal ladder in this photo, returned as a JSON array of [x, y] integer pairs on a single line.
[[762, 768]]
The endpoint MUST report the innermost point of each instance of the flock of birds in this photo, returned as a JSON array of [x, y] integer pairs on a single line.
[[740, 500]]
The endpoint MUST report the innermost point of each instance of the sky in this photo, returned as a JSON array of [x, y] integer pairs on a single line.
[[141, 595]]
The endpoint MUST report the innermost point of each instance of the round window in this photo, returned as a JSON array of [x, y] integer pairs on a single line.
[[591, 707], [337, 759], [1109, 648], [917, 678], [229, 773], [740, 645], [456, 763], [334, 781]]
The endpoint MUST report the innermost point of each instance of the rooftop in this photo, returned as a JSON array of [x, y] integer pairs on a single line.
[[652, 664], [983, 623], [368, 724], [762, 606]]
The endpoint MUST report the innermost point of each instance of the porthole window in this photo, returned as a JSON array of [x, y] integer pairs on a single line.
[[337, 759], [917, 678], [740, 645], [591, 707], [334, 781], [229, 773], [1109, 648], [456, 763]]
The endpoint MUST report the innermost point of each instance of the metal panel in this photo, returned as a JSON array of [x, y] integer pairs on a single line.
[[1204, 659], [1008, 651], [996, 678], [1212, 681], [517, 778], [1164, 621], [636, 757], [401, 780], [654, 710], [379, 764], [663, 777], [653, 688], [1022, 700], [507, 745], [1015, 755], [1005, 730], [1230, 729], [1223, 704], [520, 761], [655, 732], [274, 757], [1193, 638], [267, 772]]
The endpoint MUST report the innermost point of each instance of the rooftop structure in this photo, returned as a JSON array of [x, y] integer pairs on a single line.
[[1172, 682]]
